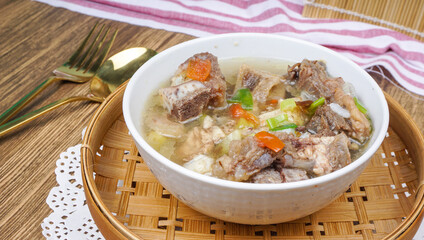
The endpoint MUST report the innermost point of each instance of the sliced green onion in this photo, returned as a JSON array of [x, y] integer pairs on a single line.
[[243, 96], [320, 101], [287, 104], [359, 106], [277, 121], [285, 126]]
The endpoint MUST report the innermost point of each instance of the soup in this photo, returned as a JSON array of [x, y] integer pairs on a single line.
[[256, 120]]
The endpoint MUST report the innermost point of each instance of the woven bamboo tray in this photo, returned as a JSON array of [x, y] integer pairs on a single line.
[[127, 202], [405, 16]]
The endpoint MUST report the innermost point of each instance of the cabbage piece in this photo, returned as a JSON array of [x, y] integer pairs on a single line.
[[225, 144], [200, 163], [162, 125]]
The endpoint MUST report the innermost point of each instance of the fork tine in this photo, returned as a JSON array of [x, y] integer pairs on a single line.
[[95, 52], [86, 53], [105, 52], [74, 57]]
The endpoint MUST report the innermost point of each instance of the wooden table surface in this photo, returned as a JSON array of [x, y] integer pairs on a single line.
[[35, 38]]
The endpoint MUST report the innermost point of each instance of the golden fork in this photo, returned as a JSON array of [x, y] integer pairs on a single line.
[[79, 68]]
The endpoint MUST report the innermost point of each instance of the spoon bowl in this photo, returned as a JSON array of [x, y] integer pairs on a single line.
[[111, 74], [117, 69]]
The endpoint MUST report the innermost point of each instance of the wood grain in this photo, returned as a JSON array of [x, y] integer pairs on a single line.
[[34, 39]]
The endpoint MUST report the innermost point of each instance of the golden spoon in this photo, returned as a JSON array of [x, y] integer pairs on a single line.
[[113, 72]]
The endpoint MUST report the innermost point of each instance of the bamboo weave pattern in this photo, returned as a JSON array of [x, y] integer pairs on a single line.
[[373, 207], [406, 16]]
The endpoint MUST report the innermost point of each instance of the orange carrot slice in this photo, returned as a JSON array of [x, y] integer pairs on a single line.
[[269, 140], [199, 69]]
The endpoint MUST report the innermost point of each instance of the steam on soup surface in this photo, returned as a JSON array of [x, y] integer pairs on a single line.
[[256, 120]]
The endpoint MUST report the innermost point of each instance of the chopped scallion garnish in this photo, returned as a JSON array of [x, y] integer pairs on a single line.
[[285, 126], [277, 121], [359, 106], [243, 96], [320, 101]]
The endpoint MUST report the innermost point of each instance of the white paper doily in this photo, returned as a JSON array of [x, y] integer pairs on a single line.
[[71, 218]]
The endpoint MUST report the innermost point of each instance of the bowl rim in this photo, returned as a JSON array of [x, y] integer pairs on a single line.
[[364, 158]]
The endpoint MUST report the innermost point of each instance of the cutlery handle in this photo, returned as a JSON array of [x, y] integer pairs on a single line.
[[18, 122], [25, 100]]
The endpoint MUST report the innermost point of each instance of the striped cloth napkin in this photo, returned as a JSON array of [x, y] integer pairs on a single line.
[[367, 45]]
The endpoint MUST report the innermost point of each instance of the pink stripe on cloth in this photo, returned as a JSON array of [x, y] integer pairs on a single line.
[[365, 42], [262, 16], [400, 73], [232, 27], [173, 18]]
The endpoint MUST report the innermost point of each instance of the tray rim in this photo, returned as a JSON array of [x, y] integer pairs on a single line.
[[112, 227]]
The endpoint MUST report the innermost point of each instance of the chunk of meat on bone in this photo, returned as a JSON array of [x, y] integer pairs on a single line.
[[326, 122], [293, 174], [278, 174], [360, 124], [313, 79], [185, 101], [338, 152], [315, 155], [245, 158], [259, 82], [215, 81], [267, 175]]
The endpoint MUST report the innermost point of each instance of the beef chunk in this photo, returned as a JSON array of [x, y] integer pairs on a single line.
[[185, 101], [247, 78], [313, 78], [315, 154], [215, 82], [244, 159], [293, 72], [277, 174], [259, 82], [338, 152], [361, 127], [326, 122], [294, 174], [300, 158], [267, 175]]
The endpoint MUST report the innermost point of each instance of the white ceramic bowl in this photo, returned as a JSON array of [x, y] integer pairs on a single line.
[[246, 202]]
